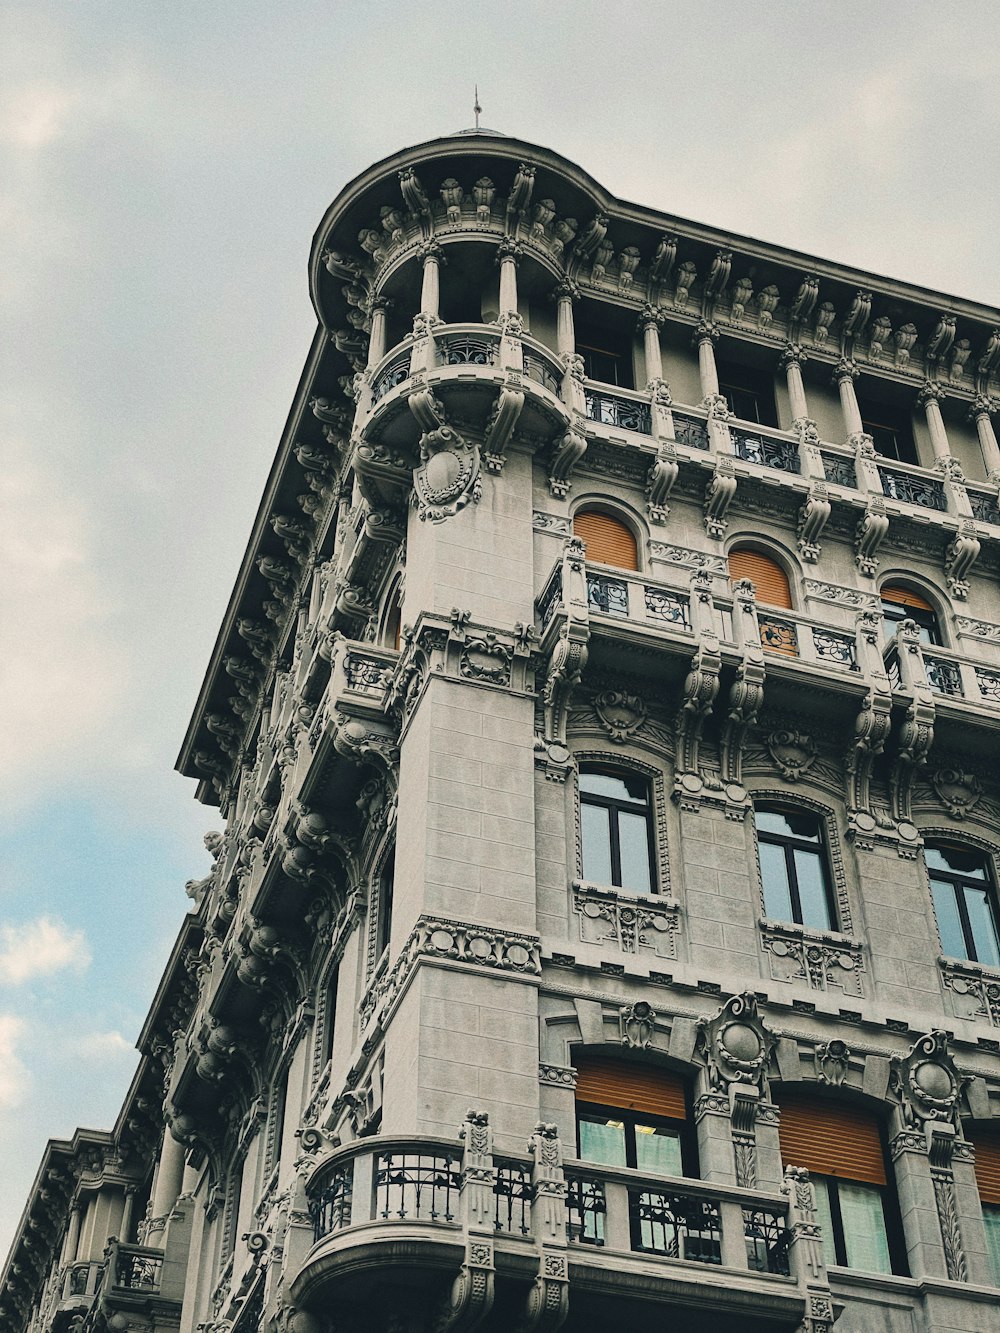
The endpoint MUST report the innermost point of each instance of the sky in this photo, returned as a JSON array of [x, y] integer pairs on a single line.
[[162, 170]]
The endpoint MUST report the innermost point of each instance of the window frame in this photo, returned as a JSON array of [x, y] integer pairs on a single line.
[[987, 883], [754, 382], [629, 1119], [789, 844], [894, 1240], [894, 613], [613, 806], [899, 425]]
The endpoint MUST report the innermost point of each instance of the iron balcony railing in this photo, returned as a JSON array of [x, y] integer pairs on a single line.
[[394, 373], [613, 409], [766, 450], [691, 431], [467, 349], [913, 488], [839, 469]]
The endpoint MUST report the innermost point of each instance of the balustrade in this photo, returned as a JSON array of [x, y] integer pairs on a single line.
[[541, 372], [137, 1268], [984, 506], [839, 469], [613, 409], [467, 349], [394, 373], [766, 450], [913, 488], [691, 431]]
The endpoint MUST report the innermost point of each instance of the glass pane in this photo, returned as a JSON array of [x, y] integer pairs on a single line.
[[620, 787], [788, 823], [658, 1150], [863, 1217], [825, 1218], [596, 830], [959, 860], [813, 896], [991, 1218], [602, 1141], [777, 899], [633, 844], [984, 929], [949, 922]]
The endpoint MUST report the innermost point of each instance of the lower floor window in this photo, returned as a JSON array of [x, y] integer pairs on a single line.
[[852, 1216], [616, 1138], [991, 1219]]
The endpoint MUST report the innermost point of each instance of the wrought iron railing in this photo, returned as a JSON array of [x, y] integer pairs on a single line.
[[927, 492], [607, 595], [136, 1270], [678, 1226], [512, 1194], [330, 1206], [586, 1208], [366, 675], [835, 649], [984, 506], [989, 684], [767, 1241], [839, 470], [466, 349], [536, 369], [549, 599], [667, 607], [394, 373], [768, 452], [778, 635], [417, 1185], [691, 431], [943, 677], [626, 413]]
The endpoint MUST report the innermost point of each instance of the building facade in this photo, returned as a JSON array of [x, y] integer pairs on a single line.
[[604, 929]]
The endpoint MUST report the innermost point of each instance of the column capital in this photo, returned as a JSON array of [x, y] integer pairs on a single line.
[[509, 249], [792, 354], [983, 406], [383, 303], [431, 250], [846, 369], [650, 316], [566, 291], [930, 392], [705, 332]]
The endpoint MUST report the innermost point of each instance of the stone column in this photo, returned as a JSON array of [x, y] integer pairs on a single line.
[[376, 340], [981, 414], [125, 1229], [930, 398], [705, 337], [844, 377], [72, 1243], [792, 360], [649, 325], [566, 293], [508, 255], [169, 1174], [430, 291]]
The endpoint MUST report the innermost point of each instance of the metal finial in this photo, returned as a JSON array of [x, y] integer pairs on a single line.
[[478, 110]]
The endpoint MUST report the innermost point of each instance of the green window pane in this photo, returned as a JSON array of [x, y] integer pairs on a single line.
[[777, 899], [984, 928], [813, 896], [633, 845], [949, 922], [958, 860], [991, 1219], [863, 1217], [788, 823], [618, 786], [596, 829], [825, 1218], [658, 1150], [603, 1142]]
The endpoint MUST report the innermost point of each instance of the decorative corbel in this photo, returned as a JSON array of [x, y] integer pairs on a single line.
[[988, 363], [472, 1292], [569, 653], [916, 734], [702, 683], [802, 305], [854, 321], [871, 726], [384, 476], [813, 517], [567, 450], [660, 482], [519, 198], [715, 281], [719, 496], [746, 694], [502, 422], [661, 264], [961, 555], [870, 533]]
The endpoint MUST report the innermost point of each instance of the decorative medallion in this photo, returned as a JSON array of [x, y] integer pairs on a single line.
[[793, 752], [448, 475], [958, 792], [636, 1022], [621, 715]]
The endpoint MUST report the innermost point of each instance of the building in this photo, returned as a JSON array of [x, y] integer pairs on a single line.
[[605, 929]]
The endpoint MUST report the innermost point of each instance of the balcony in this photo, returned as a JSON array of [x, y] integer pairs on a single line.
[[139, 1280]]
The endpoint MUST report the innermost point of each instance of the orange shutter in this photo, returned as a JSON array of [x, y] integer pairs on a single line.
[[986, 1142], [610, 1082], [831, 1138], [768, 578], [903, 597], [608, 542]]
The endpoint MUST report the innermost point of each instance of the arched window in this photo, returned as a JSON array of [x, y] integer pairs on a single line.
[[616, 828], [607, 540], [900, 604], [392, 628], [986, 1141], [841, 1146], [794, 866], [768, 578], [965, 902]]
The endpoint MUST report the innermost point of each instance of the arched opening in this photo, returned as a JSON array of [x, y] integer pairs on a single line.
[[616, 829], [607, 540], [794, 866], [900, 603], [768, 578]]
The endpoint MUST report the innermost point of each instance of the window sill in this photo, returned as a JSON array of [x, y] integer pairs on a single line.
[[586, 888], [808, 933]]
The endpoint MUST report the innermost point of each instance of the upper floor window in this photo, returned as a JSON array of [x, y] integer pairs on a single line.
[[383, 926], [841, 1146], [769, 580], [891, 429], [986, 1141], [900, 604], [607, 540], [965, 902], [794, 869], [616, 829], [633, 1115], [748, 392], [330, 1013]]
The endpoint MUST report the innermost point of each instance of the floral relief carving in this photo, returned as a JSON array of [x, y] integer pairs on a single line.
[[632, 924], [486, 659], [974, 991], [821, 960]]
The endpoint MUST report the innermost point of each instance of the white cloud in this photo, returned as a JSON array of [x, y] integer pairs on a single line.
[[103, 1046], [14, 1077], [39, 948]]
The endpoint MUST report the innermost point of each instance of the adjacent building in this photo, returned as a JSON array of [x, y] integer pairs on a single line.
[[604, 929]]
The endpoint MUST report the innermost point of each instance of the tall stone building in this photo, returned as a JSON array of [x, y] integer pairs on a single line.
[[604, 934]]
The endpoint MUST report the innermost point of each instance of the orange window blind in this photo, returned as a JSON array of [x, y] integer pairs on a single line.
[[768, 578], [607, 541], [987, 1145], [903, 597], [831, 1139], [610, 1082]]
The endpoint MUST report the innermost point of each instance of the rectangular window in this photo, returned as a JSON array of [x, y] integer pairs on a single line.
[[749, 393], [793, 867], [991, 1220], [891, 429], [616, 830], [964, 902]]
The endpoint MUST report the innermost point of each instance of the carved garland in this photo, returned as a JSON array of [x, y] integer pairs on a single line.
[[655, 777], [839, 870]]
